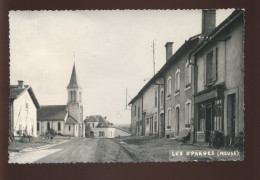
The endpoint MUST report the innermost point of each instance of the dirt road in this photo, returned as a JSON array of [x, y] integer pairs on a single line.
[[76, 150]]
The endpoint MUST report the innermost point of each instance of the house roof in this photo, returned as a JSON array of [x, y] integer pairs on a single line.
[[52, 112], [71, 120], [91, 119], [188, 46], [220, 28], [16, 92], [73, 79], [102, 122]]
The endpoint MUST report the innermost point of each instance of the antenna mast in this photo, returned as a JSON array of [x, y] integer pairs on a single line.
[[153, 58]]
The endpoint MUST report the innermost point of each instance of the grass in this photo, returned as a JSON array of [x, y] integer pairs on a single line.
[[36, 142]]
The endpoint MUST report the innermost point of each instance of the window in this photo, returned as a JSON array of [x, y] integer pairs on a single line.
[[101, 133], [75, 95], [155, 98], [187, 113], [187, 75], [48, 126], [135, 110], [169, 86], [38, 126], [93, 124], [71, 96], [155, 126], [162, 98], [218, 124], [210, 67], [168, 119], [26, 106], [209, 77], [177, 81], [59, 126], [69, 127], [138, 112]]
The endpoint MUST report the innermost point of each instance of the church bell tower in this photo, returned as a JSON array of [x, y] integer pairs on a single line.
[[74, 103]]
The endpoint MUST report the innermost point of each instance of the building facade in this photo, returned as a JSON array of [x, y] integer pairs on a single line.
[[200, 87], [64, 119], [99, 127], [23, 106], [219, 85]]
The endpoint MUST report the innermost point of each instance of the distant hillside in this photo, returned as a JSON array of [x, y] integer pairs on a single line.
[[126, 127]]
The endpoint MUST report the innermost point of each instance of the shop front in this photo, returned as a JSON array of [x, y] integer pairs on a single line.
[[209, 109]]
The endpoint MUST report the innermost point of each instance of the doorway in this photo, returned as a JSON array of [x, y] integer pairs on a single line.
[[209, 124], [232, 115], [178, 120]]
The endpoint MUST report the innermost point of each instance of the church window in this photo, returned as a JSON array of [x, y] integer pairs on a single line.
[[69, 128], [80, 97], [48, 126], [59, 126], [75, 96], [71, 96]]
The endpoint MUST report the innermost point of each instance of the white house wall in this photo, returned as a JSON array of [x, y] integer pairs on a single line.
[[25, 118]]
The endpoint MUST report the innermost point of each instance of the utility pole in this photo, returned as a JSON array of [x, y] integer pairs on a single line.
[[126, 105], [153, 58]]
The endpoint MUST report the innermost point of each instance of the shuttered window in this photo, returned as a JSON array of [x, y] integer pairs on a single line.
[[210, 67]]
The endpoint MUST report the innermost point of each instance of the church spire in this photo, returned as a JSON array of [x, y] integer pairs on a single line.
[[73, 79]]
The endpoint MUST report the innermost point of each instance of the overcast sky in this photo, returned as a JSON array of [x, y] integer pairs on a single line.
[[112, 52]]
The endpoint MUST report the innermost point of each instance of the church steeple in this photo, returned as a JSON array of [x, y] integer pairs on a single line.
[[73, 79]]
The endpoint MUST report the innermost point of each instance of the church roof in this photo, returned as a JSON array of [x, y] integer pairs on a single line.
[[51, 112], [73, 79], [71, 120]]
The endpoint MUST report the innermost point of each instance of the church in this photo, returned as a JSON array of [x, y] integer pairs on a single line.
[[64, 119]]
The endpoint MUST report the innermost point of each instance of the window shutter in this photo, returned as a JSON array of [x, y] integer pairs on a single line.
[[214, 65], [205, 71], [186, 75]]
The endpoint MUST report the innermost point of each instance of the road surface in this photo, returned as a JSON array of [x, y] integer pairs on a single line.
[[77, 150]]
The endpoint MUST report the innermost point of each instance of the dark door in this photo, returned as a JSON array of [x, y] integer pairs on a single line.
[[162, 126], [233, 115], [178, 119], [209, 124]]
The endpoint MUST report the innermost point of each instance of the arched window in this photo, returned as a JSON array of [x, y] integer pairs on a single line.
[[59, 126], [187, 112], [187, 75], [48, 126], [169, 86], [162, 98], [75, 96], [71, 96], [177, 81]]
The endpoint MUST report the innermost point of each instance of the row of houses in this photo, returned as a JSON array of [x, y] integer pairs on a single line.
[[200, 87]]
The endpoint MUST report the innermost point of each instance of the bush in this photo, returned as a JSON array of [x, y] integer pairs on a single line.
[[50, 133]]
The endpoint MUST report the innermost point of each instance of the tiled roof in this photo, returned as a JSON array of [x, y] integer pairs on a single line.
[[73, 79], [53, 112], [15, 92], [91, 119], [102, 122], [71, 120]]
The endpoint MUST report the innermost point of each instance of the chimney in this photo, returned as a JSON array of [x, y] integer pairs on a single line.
[[208, 21], [20, 84], [168, 47]]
